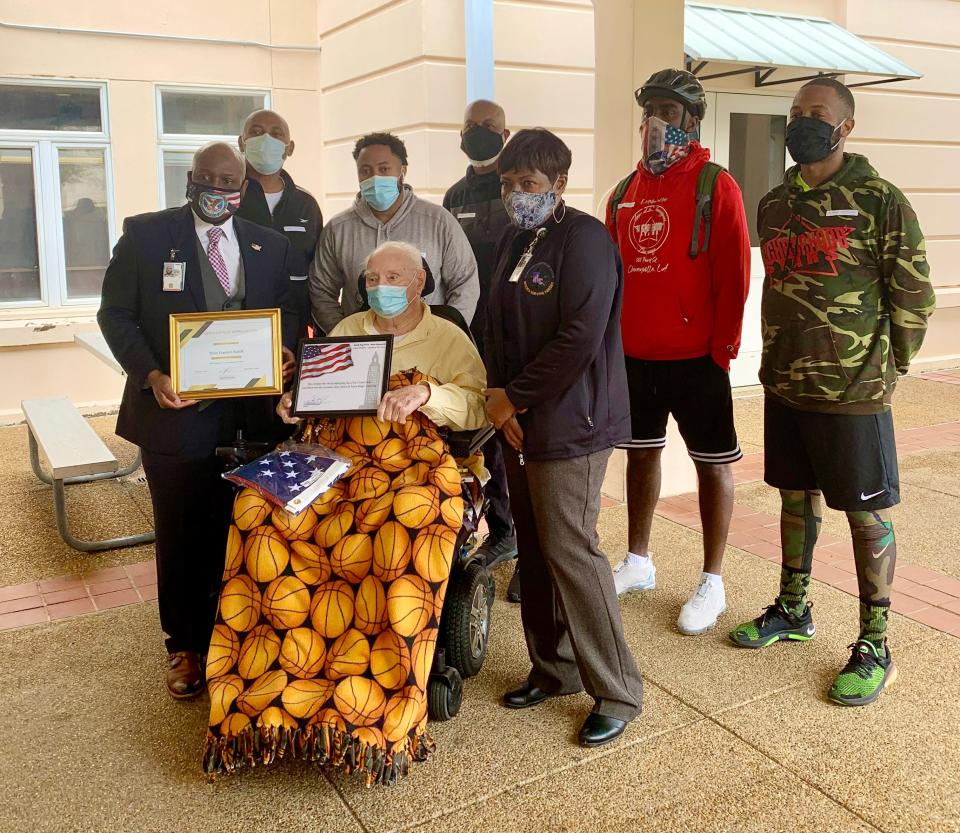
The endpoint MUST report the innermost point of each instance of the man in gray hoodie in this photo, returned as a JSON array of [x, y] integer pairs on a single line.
[[387, 209]]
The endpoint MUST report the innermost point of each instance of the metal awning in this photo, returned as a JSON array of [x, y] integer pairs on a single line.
[[765, 42]]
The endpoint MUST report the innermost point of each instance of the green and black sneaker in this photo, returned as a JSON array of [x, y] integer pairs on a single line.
[[773, 625], [863, 679]]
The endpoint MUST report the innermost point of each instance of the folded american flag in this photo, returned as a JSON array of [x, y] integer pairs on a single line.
[[320, 359], [291, 479]]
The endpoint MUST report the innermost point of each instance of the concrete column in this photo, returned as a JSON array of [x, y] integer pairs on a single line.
[[633, 39]]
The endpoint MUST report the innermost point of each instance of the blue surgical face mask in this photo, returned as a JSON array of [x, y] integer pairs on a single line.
[[264, 153], [380, 192], [387, 301], [529, 210]]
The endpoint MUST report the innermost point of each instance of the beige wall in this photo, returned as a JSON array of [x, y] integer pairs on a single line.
[[400, 67]]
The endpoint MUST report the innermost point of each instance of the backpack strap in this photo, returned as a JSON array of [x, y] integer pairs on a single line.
[[703, 211], [617, 196]]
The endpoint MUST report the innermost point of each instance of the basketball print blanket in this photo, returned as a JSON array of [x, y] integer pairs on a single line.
[[328, 619]]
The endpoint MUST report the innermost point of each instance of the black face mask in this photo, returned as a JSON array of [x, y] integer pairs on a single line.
[[481, 145], [810, 140], [215, 205]]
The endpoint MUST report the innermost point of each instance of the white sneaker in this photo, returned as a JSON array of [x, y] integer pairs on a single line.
[[634, 574], [704, 606]]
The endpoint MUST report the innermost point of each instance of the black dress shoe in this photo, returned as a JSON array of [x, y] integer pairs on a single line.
[[513, 590], [524, 697], [598, 730]]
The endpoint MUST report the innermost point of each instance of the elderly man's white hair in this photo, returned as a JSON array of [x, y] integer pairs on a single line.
[[218, 145], [410, 253]]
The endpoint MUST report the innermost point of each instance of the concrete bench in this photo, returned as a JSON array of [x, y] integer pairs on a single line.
[[76, 455]]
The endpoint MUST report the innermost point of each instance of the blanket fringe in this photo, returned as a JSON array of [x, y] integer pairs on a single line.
[[324, 745]]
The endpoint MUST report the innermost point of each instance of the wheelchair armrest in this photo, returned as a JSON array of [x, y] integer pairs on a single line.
[[465, 444]]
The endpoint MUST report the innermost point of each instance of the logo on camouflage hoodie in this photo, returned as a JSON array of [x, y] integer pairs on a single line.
[[847, 290]]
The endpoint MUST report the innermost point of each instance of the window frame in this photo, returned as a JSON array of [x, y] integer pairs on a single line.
[[44, 146], [100, 84], [191, 142]]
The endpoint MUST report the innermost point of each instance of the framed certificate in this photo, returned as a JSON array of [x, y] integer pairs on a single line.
[[219, 354], [342, 376]]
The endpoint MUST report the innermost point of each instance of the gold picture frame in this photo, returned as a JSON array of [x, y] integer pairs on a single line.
[[215, 355]]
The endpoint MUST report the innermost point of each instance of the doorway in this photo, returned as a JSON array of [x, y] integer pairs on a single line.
[[746, 134]]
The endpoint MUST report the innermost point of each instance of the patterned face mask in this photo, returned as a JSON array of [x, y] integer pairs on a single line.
[[215, 205], [663, 144], [528, 210]]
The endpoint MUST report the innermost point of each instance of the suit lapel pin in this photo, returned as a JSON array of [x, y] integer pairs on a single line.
[[256, 247]]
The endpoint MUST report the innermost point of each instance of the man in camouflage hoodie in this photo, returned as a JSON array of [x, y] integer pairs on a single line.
[[845, 304]]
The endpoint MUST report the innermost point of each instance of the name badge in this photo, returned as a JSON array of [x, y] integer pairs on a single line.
[[294, 228], [521, 265], [466, 215], [173, 274], [843, 212]]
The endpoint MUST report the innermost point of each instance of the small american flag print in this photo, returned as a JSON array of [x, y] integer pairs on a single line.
[[320, 359]]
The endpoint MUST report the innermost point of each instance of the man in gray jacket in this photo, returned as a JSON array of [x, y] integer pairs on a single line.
[[387, 209]]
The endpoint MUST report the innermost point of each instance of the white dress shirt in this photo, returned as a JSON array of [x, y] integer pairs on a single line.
[[228, 245]]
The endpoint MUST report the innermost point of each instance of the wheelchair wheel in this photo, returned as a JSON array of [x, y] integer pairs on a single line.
[[466, 619], [444, 695]]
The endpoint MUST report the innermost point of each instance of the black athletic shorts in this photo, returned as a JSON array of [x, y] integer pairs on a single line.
[[697, 393], [851, 458]]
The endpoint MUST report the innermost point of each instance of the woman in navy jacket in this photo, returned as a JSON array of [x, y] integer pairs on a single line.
[[558, 393]]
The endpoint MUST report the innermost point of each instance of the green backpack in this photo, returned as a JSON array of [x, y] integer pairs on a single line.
[[703, 212]]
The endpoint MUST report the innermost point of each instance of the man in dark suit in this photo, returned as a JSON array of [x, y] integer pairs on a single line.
[[196, 258]]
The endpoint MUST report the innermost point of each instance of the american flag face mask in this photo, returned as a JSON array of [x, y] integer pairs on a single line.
[[663, 144], [211, 203]]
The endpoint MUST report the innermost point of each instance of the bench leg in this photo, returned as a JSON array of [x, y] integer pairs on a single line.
[[43, 477], [60, 505]]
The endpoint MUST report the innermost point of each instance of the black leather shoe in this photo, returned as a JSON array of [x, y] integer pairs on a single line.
[[524, 697], [513, 590], [598, 730]]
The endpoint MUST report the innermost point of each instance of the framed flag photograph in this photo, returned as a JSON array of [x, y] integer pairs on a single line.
[[341, 376]]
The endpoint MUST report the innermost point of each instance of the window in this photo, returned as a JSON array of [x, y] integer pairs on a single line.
[[32, 107], [19, 256], [187, 119], [176, 163], [206, 113], [56, 202]]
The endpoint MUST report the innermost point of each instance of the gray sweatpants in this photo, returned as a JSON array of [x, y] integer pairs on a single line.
[[569, 608]]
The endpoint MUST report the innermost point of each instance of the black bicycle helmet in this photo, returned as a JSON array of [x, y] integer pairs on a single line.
[[677, 84]]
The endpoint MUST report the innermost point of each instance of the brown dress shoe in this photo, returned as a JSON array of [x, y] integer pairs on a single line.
[[184, 675]]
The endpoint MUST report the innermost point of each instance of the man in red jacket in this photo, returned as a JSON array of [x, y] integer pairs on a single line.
[[687, 271]]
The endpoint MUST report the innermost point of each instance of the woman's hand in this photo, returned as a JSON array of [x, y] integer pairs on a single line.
[[499, 407], [289, 364], [513, 434], [399, 403], [284, 406]]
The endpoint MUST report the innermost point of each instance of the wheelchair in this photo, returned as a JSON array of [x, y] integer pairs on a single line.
[[467, 607], [466, 615], [465, 618]]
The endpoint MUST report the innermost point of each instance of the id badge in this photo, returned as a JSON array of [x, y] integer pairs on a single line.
[[521, 265], [173, 274]]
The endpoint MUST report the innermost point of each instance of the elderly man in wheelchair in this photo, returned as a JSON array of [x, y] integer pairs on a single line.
[[436, 341]]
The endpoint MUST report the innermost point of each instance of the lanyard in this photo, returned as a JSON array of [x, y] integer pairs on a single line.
[[527, 255]]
